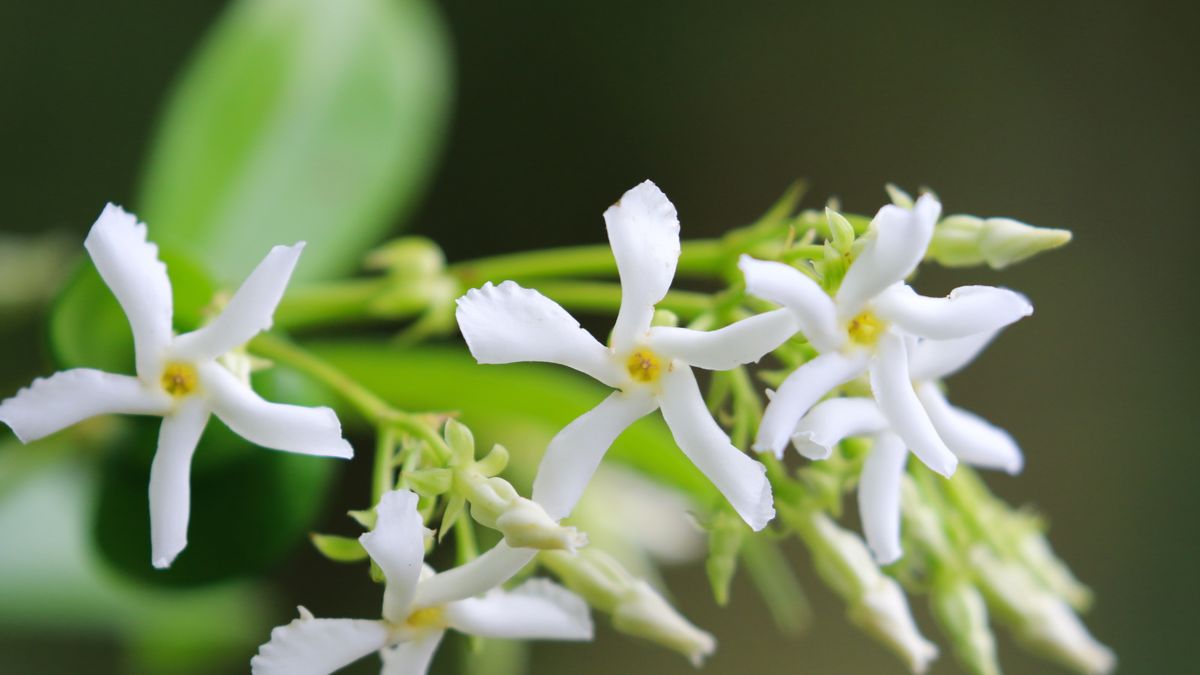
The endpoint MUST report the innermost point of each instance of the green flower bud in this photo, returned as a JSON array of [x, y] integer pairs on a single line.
[[962, 613], [408, 256], [962, 241], [841, 232], [726, 534], [665, 317]]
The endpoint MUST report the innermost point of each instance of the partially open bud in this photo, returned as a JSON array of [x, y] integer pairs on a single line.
[[1040, 619]]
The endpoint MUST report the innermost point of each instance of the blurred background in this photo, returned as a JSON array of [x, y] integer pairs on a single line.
[[1076, 115]]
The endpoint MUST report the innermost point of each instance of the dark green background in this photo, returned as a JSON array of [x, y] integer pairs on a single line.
[[1078, 115]]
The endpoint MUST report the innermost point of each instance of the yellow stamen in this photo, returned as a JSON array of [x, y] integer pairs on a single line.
[[427, 617], [866, 328], [644, 365], [179, 379]]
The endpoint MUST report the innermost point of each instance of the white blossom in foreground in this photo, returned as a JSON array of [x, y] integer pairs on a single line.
[[971, 438], [869, 326], [178, 377], [418, 606], [650, 367]]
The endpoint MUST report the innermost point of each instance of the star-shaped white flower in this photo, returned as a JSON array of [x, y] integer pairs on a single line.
[[970, 437], [418, 606], [650, 367], [178, 377], [869, 326]]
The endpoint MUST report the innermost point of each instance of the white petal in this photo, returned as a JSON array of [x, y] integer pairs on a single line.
[[170, 483], [249, 312], [830, 422], [477, 577], [574, 453], [509, 324], [397, 545], [643, 230], [799, 392], [129, 265], [278, 426], [745, 341], [896, 243], [70, 396], [973, 439], [741, 479], [309, 646], [787, 286], [894, 392], [935, 359], [413, 657], [536, 610], [966, 311], [879, 497]]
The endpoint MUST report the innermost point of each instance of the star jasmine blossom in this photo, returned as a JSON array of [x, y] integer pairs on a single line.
[[970, 437], [870, 325], [650, 367], [180, 378], [419, 606]]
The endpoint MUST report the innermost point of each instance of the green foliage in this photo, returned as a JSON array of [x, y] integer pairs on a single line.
[[299, 120]]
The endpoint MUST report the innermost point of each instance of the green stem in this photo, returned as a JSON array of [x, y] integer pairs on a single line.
[[332, 302], [699, 256], [385, 448], [600, 296]]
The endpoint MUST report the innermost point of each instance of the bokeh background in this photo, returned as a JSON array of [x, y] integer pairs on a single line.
[[1079, 115]]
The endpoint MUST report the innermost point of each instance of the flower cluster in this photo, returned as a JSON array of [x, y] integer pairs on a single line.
[[868, 355]]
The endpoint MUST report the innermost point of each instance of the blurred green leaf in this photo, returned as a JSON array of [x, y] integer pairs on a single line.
[[520, 405], [299, 120]]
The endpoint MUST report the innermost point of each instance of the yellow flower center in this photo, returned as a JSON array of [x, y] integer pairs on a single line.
[[644, 365], [427, 617], [179, 379], [865, 329]]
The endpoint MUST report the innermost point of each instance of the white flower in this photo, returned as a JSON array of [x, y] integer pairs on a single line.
[[971, 438], [650, 367], [869, 327], [178, 378], [418, 606]]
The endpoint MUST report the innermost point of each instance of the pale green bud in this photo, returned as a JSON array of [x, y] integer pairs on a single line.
[[726, 534], [664, 317], [962, 613], [1034, 550], [1040, 619], [636, 608], [525, 524], [899, 197], [962, 241], [408, 256], [841, 232]]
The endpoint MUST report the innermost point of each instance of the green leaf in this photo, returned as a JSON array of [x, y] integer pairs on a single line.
[[339, 549], [299, 120]]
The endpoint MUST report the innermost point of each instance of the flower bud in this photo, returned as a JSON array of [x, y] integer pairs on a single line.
[[407, 256], [962, 614], [1035, 552], [841, 232], [1040, 619], [664, 317], [962, 241], [525, 524]]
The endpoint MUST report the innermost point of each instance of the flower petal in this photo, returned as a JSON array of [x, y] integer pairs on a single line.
[[278, 426], [966, 311], [170, 480], [477, 577], [935, 359], [745, 341], [896, 243], [741, 479], [248, 313], [973, 439], [536, 610], [787, 286], [879, 497], [894, 392], [799, 392], [130, 266], [70, 396], [412, 657], [643, 229], [309, 646], [830, 422], [397, 545], [574, 453], [508, 324]]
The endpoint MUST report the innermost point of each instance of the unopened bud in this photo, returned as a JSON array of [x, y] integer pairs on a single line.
[[962, 613], [962, 241], [841, 232], [899, 197], [408, 256], [664, 317], [1035, 552], [525, 524]]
